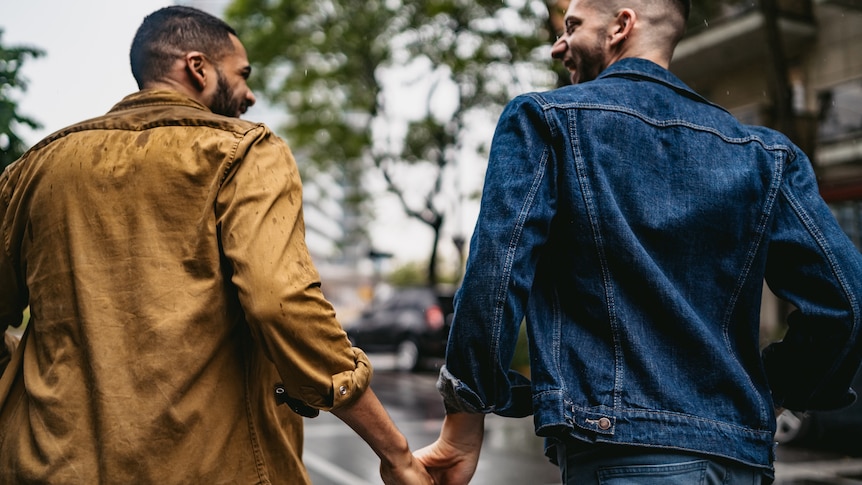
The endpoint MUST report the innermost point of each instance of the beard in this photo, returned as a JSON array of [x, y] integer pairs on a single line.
[[590, 62], [223, 102]]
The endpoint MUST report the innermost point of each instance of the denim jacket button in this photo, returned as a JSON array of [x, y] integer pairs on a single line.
[[342, 390], [604, 424]]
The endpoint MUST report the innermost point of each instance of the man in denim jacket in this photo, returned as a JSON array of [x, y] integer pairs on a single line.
[[632, 223]]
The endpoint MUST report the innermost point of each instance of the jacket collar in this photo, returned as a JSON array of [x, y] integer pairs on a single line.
[[635, 67], [154, 97]]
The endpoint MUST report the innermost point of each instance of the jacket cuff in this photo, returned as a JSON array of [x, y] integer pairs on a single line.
[[458, 398], [347, 386]]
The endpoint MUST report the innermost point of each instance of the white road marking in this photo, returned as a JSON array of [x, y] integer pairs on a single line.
[[826, 469], [331, 471]]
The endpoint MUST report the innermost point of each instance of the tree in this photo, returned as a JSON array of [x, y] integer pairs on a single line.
[[11, 60], [331, 65]]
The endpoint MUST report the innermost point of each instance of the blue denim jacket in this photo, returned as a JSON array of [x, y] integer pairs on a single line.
[[632, 223]]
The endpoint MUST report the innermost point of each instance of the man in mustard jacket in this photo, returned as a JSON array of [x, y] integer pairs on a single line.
[[174, 305]]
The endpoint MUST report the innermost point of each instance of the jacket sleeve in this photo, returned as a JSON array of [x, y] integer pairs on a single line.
[[517, 208], [813, 265], [259, 208]]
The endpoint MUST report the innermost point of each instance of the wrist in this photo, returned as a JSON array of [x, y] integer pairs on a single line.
[[464, 431], [395, 453]]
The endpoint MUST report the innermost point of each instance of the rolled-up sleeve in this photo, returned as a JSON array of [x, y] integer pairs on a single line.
[[259, 211]]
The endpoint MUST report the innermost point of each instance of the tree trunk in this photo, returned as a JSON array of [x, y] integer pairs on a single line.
[[432, 261]]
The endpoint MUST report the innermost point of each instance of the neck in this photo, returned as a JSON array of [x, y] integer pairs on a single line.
[[169, 84]]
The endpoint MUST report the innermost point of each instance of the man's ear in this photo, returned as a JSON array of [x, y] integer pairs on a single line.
[[197, 69], [623, 25]]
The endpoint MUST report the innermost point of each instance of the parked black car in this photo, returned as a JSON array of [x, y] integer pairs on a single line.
[[413, 323], [838, 430]]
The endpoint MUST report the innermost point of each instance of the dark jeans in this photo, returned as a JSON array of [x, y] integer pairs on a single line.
[[612, 465]]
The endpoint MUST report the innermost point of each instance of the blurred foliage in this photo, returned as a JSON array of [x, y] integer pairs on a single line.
[[410, 274], [413, 274], [11, 60], [328, 63]]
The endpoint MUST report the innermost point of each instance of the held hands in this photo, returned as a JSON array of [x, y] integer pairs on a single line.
[[408, 471], [452, 459], [367, 417], [447, 464]]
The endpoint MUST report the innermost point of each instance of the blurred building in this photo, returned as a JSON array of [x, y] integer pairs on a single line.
[[817, 45]]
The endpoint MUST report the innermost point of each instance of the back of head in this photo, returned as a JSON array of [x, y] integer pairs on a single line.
[[661, 22], [171, 32], [678, 12]]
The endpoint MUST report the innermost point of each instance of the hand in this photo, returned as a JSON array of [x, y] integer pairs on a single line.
[[411, 472], [11, 342], [7, 348], [447, 464], [452, 459], [369, 419]]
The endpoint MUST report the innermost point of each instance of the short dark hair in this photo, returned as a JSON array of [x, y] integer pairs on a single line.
[[172, 32]]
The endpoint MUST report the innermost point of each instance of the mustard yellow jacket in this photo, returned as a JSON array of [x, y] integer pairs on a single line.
[[161, 249]]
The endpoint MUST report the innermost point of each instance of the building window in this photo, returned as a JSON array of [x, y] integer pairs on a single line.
[[840, 111]]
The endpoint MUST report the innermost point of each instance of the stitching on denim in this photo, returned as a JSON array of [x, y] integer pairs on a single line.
[[511, 250], [654, 470], [766, 213], [660, 123], [598, 240], [818, 236], [557, 318], [673, 414], [558, 331]]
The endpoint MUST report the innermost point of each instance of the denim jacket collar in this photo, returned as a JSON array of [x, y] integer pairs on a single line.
[[639, 68]]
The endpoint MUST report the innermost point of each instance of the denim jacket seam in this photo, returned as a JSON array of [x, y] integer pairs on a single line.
[[511, 251], [557, 316], [760, 231], [557, 319], [682, 416], [598, 240], [822, 242]]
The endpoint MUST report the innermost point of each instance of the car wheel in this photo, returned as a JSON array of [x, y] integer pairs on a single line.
[[791, 426], [407, 356]]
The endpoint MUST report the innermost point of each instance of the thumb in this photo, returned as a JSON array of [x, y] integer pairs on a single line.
[[432, 457]]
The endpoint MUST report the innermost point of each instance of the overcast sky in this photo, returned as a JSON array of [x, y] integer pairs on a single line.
[[85, 69]]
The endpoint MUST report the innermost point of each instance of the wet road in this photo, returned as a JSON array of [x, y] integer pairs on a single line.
[[511, 454]]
